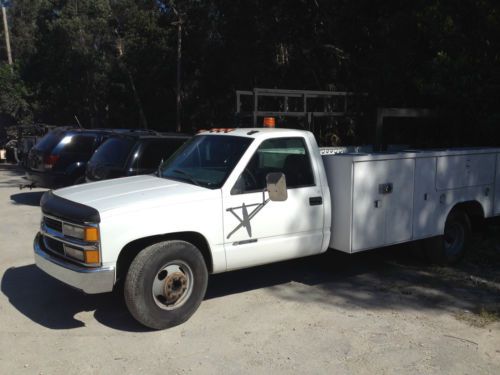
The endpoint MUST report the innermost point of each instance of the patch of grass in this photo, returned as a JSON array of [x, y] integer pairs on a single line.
[[481, 262], [484, 316]]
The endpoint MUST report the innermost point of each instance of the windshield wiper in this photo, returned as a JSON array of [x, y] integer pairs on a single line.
[[190, 178]]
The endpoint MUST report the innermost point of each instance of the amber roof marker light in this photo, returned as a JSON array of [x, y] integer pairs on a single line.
[[269, 122], [220, 130]]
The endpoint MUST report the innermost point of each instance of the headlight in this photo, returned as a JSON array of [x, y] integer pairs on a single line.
[[90, 257], [73, 231], [74, 253], [89, 234]]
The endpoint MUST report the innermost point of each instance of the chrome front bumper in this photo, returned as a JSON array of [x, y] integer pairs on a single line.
[[89, 280]]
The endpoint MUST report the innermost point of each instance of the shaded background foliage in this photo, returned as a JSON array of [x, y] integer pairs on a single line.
[[103, 60]]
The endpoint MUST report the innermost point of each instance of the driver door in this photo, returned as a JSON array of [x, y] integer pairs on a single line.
[[258, 230]]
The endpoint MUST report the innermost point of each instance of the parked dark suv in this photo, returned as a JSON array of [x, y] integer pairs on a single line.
[[60, 157], [131, 154]]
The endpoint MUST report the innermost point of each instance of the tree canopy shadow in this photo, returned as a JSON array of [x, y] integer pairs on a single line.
[[391, 278], [384, 279]]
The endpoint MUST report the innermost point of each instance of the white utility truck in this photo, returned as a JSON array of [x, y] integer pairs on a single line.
[[236, 198]]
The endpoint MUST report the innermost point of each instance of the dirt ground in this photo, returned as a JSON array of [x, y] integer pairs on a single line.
[[380, 312]]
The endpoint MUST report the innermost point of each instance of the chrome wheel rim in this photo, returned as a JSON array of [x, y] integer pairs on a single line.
[[172, 285]]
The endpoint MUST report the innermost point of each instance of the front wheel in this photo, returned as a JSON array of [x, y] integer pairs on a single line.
[[452, 245], [165, 284]]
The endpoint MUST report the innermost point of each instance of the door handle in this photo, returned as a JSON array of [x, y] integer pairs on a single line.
[[315, 201]]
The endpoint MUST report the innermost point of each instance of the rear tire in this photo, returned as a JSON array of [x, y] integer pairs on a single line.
[[165, 284], [450, 247]]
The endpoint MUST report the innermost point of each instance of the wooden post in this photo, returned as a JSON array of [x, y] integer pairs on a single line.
[[255, 107], [7, 37], [179, 21], [179, 58]]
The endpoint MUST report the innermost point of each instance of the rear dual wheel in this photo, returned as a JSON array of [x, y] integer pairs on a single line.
[[451, 247], [165, 284]]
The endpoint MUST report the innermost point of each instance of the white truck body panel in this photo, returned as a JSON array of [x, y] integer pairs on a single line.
[[428, 212], [141, 206], [425, 186], [459, 171], [380, 219]]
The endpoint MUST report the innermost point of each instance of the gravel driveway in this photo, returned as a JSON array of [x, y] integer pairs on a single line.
[[380, 312]]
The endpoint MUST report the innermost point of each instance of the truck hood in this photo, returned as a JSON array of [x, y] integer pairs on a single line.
[[134, 192]]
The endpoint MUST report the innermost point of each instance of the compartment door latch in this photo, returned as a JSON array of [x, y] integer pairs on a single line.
[[385, 188]]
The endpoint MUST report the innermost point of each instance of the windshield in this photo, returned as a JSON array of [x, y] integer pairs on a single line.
[[113, 152], [205, 160]]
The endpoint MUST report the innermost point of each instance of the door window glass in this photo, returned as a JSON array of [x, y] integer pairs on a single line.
[[286, 155]]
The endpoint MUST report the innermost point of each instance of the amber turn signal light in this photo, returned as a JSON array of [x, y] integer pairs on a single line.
[[92, 256], [91, 234]]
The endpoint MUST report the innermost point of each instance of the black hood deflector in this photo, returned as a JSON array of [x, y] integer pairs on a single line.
[[62, 208]]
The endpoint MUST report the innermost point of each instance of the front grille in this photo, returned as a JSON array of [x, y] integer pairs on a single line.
[[54, 241], [53, 224], [53, 245]]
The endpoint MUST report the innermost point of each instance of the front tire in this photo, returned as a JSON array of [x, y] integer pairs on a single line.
[[451, 247], [165, 284]]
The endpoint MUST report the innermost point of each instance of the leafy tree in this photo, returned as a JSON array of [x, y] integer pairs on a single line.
[[113, 62], [13, 95]]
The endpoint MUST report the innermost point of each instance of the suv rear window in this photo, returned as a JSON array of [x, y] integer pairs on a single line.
[[77, 144], [49, 141], [113, 152]]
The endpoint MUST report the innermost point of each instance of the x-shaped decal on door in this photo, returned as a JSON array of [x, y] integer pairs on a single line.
[[246, 217]]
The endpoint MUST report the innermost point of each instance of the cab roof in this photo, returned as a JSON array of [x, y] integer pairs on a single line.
[[255, 132]]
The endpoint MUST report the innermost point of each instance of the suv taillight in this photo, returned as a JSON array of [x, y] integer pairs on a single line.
[[49, 161]]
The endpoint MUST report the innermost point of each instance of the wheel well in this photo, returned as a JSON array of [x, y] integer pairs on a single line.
[[130, 251], [473, 209]]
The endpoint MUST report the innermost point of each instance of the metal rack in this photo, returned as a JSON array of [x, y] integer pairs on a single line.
[[304, 96]]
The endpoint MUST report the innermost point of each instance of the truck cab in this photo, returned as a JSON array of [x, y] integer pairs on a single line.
[[225, 200]]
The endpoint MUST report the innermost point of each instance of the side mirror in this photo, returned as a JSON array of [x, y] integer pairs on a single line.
[[276, 187]]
